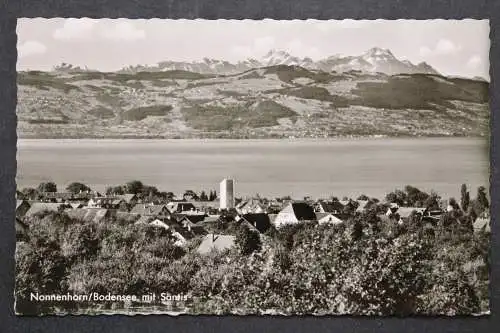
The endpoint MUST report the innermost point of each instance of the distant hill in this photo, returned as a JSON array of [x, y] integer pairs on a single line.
[[373, 60], [269, 102]]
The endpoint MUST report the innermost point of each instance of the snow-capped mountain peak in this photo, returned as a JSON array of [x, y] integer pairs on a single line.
[[375, 59], [376, 55]]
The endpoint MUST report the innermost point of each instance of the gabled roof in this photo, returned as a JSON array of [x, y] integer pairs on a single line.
[[405, 212], [21, 202], [331, 206], [88, 214], [260, 221], [39, 207], [250, 204], [159, 223], [117, 201], [301, 210], [128, 197], [211, 219], [216, 242], [192, 219], [180, 206], [153, 210], [328, 218], [144, 219]]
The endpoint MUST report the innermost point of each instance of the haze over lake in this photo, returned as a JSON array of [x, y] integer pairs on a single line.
[[318, 168]]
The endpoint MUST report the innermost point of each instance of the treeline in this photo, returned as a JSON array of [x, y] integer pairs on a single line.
[[136, 187], [414, 197], [363, 266]]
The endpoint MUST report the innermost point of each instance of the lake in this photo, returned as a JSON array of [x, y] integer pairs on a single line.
[[317, 168]]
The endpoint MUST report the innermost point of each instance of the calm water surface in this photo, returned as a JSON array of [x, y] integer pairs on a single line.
[[318, 168]]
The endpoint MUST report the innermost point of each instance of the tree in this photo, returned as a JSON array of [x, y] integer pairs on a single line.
[[432, 202], [30, 193], [203, 196], [47, 187], [363, 197], [464, 198], [134, 187], [77, 187], [398, 197], [248, 240], [415, 197], [190, 194], [481, 197], [453, 203], [115, 190]]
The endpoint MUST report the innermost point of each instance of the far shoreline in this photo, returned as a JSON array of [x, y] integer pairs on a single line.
[[329, 138]]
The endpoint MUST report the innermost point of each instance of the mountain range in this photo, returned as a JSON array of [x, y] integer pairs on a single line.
[[374, 60], [286, 98]]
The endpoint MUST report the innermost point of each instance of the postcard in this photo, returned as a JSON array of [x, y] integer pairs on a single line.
[[263, 167]]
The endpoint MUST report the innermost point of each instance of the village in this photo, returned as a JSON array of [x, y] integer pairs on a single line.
[[210, 217]]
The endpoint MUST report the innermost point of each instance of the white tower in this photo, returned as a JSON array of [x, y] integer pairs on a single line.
[[226, 194]]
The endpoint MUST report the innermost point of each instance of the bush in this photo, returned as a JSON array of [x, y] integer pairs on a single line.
[[248, 240]]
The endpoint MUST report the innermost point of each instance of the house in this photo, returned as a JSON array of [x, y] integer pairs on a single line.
[[405, 212], [22, 206], [182, 207], [209, 207], [180, 239], [392, 209], [158, 223], [119, 204], [106, 202], [250, 206], [151, 210], [192, 218], [295, 212], [328, 218], [130, 199], [58, 197], [191, 226], [144, 219], [39, 207], [213, 242], [21, 230], [89, 215], [83, 196], [211, 219], [260, 221], [334, 207]]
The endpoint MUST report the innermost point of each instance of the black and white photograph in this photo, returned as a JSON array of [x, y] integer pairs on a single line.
[[252, 167]]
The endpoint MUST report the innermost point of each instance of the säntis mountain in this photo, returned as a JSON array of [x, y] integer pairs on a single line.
[[373, 60], [278, 96]]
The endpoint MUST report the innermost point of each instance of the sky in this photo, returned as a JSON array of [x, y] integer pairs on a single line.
[[453, 47]]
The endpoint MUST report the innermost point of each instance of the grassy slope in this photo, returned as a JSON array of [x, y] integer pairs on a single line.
[[270, 102]]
